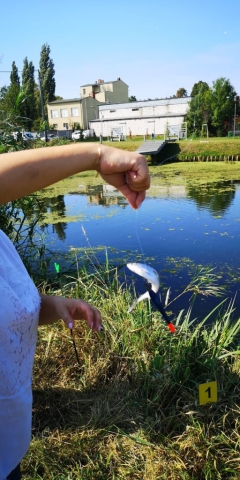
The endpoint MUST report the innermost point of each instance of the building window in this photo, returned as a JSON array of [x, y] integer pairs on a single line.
[[55, 125], [64, 113], [65, 125], [54, 114], [111, 111], [74, 112], [135, 109], [84, 91]]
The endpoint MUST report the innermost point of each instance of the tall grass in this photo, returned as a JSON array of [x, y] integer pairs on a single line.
[[130, 410]]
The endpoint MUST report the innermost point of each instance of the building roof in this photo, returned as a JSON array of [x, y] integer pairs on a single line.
[[65, 100], [102, 83], [145, 103]]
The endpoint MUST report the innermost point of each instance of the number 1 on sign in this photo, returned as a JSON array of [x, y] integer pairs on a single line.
[[207, 392]]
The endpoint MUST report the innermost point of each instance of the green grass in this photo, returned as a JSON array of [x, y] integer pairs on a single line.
[[130, 409], [192, 174], [212, 146], [197, 147]]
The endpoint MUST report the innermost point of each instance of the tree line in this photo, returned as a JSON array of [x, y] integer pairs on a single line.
[[24, 102], [217, 107]]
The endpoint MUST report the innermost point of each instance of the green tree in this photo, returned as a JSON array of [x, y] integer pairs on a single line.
[[199, 108], [3, 92], [12, 108], [181, 92], [12, 99], [14, 77], [132, 98], [28, 84], [222, 105], [47, 72], [198, 88]]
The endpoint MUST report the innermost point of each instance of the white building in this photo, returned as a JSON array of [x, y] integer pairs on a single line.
[[141, 118]]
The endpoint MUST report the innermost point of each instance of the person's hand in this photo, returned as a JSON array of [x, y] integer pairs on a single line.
[[126, 171], [69, 309]]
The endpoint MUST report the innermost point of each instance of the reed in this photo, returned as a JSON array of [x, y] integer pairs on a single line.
[[130, 410]]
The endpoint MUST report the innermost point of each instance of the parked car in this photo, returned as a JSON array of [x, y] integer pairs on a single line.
[[50, 136], [76, 135], [28, 136], [16, 135], [82, 134], [88, 133]]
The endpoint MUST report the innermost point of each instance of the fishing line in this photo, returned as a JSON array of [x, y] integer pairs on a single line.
[[138, 238], [153, 296]]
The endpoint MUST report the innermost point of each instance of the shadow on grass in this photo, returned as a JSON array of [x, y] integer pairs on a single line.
[[160, 400], [132, 404], [170, 150]]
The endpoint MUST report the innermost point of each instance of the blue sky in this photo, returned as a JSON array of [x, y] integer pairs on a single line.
[[154, 46]]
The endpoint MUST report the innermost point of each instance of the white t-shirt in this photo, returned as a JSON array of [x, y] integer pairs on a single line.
[[19, 314]]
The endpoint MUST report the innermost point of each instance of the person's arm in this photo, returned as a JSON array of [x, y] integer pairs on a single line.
[[28, 171], [54, 308]]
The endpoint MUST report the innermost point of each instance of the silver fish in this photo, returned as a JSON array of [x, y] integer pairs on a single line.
[[150, 274]]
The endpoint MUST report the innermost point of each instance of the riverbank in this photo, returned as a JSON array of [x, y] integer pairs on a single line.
[[193, 174], [130, 409], [212, 149]]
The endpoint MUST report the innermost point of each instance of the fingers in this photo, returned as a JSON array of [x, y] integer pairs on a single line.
[[135, 199], [93, 318], [82, 310], [139, 199], [73, 309], [128, 172], [138, 180], [116, 164], [139, 174]]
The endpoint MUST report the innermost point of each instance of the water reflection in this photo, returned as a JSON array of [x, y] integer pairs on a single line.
[[104, 195], [177, 229], [55, 208], [216, 197]]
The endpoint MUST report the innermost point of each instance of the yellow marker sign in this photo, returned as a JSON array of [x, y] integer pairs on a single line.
[[207, 392]]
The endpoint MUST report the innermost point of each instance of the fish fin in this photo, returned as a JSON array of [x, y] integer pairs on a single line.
[[144, 296], [167, 297]]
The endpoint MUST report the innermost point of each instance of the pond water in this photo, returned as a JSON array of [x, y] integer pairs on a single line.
[[177, 230]]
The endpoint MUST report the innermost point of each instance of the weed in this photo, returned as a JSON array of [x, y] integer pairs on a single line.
[[130, 409]]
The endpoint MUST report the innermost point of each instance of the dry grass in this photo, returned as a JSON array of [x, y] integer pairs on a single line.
[[130, 409]]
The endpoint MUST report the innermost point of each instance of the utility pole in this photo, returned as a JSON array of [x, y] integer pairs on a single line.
[[42, 106], [234, 118]]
